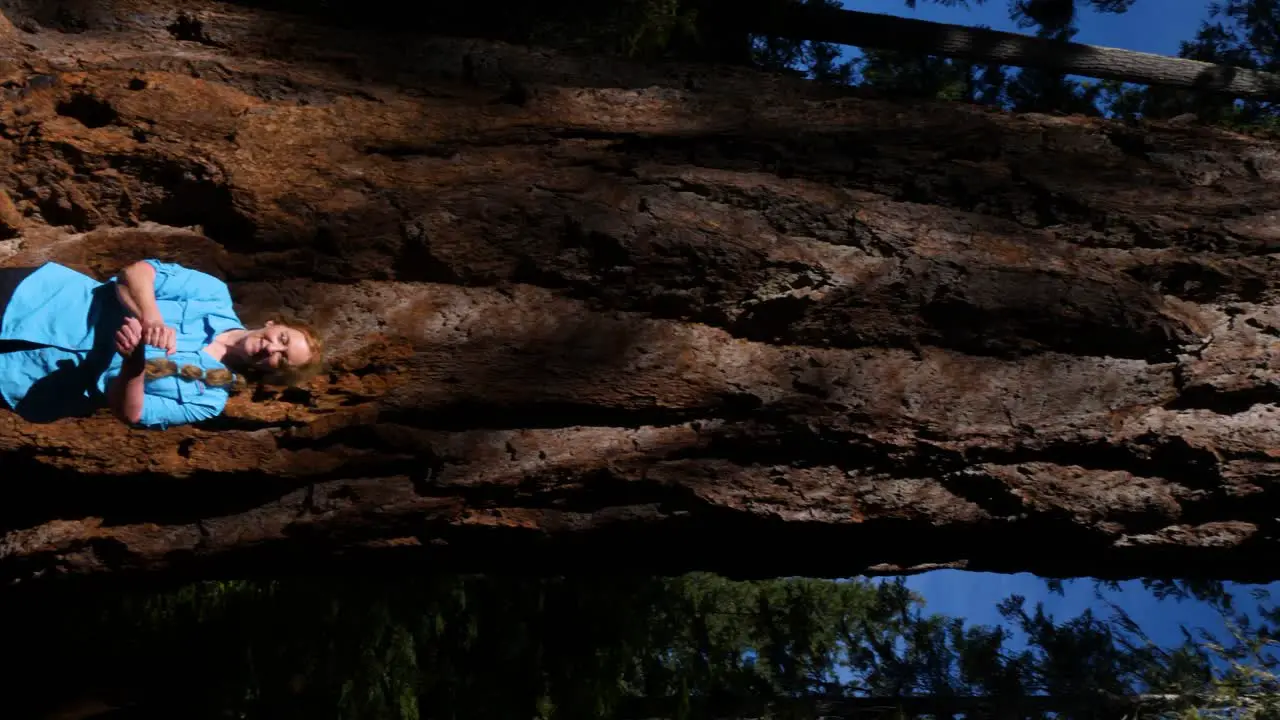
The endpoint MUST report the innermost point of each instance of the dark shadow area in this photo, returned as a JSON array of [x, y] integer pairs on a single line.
[[778, 438], [497, 646], [61, 394], [571, 370], [188, 193], [718, 31], [92, 112], [592, 26], [494, 414], [1225, 402], [47, 494], [596, 644], [190, 28], [979, 309], [588, 250], [1205, 280]]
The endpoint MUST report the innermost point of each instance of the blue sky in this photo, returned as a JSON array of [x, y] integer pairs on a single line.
[[1154, 26], [973, 596]]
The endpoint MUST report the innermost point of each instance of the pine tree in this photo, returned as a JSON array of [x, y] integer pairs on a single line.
[[1239, 33]]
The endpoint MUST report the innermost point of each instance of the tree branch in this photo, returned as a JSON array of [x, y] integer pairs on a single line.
[[871, 30]]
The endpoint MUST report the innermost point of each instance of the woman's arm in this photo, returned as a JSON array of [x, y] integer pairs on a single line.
[[136, 288], [126, 392]]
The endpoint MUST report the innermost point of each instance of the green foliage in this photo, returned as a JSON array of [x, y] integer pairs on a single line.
[[1238, 33], [1244, 684], [471, 646], [816, 60], [557, 648], [1037, 90], [657, 24], [639, 29], [1207, 676], [899, 74]]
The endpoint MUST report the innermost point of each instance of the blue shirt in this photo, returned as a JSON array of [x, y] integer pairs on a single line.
[[75, 317]]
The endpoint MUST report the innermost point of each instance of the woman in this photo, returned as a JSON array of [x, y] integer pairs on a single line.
[[160, 344]]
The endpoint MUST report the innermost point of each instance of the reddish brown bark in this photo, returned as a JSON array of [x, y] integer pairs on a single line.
[[584, 314]]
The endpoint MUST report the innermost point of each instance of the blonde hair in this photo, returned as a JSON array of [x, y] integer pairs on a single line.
[[297, 374], [286, 375]]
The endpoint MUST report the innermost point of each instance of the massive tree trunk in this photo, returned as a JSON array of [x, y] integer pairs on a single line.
[[588, 315]]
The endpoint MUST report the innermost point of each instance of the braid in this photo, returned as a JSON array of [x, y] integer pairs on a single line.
[[285, 375], [218, 377]]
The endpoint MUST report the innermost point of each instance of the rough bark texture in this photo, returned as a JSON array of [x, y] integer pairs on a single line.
[[585, 315]]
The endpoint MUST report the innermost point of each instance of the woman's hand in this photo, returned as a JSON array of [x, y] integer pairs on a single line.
[[128, 337], [135, 286], [156, 334]]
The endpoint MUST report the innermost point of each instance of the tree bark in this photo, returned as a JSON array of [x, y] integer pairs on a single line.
[[585, 315]]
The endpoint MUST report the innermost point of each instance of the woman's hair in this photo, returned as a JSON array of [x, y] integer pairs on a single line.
[[290, 375], [285, 375], [217, 377]]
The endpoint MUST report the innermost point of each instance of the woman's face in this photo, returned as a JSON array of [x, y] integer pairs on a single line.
[[274, 346]]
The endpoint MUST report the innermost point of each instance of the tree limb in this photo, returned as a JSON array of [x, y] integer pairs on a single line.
[[799, 21]]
